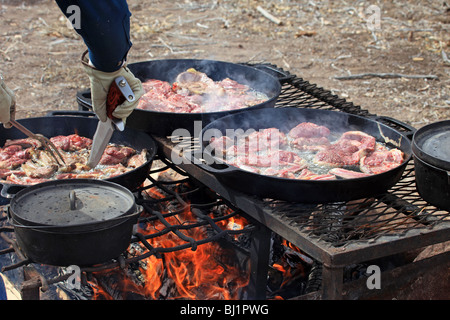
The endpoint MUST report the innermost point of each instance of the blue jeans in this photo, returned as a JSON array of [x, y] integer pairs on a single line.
[[2, 290]]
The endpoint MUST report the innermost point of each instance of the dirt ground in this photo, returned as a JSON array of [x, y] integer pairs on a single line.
[[315, 40]]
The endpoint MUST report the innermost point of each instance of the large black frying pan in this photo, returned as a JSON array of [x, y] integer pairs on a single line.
[[84, 126], [262, 79], [306, 191]]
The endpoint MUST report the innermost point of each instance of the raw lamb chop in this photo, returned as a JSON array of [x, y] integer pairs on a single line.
[[347, 174], [381, 161], [347, 151], [266, 140], [277, 159], [309, 130]]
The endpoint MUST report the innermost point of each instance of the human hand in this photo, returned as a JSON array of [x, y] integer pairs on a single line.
[[100, 83], [7, 104]]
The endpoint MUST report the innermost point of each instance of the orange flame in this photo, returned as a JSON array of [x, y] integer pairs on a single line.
[[188, 274]]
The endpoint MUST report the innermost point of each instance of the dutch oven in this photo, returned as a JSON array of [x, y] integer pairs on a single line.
[[73, 222], [431, 152]]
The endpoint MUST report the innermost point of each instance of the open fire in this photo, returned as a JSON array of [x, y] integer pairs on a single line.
[[188, 245], [213, 271], [208, 272]]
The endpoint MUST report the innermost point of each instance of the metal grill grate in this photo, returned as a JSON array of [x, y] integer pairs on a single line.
[[161, 200], [394, 213]]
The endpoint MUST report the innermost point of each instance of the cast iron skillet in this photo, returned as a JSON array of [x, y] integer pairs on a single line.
[[307, 191], [84, 126], [263, 79]]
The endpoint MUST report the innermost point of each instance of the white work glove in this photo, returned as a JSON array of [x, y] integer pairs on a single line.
[[100, 84], [7, 104]]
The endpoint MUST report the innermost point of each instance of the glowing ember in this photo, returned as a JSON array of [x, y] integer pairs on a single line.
[[185, 274]]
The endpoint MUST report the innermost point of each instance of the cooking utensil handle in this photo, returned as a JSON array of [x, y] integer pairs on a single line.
[[409, 129], [21, 128], [114, 98], [119, 92]]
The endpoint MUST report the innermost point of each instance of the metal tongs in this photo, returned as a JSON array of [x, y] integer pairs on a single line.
[[48, 145]]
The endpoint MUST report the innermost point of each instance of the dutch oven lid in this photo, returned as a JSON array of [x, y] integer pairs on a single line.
[[72, 202], [431, 144]]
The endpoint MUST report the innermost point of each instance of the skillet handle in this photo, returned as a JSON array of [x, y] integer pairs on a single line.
[[278, 73], [409, 129], [9, 190], [206, 161], [75, 113], [217, 171]]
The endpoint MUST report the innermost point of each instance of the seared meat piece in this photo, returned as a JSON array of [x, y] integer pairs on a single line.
[[341, 153], [381, 161], [266, 140], [13, 156], [347, 151], [310, 144], [218, 146], [9, 151], [33, 170], [115, 155], [233, 87], [113, 171], [24, 143], [73, 142], [347, 174], [309, 130], [24, 180], [77, 142], [367, 142], [286, 172], [309, 175], [279, 173], [276, 159], [61, 142], [4, 173], [197, 82], [137, 160], [157, 87]]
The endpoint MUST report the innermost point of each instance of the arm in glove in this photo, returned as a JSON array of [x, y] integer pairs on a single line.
[[100, 84], [7, 104]]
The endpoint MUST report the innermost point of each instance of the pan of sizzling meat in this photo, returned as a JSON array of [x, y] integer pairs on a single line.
[[305, 155], [23, 161], [179, 92]]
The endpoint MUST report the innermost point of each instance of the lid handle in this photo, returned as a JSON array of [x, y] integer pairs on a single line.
[[72, 199]]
